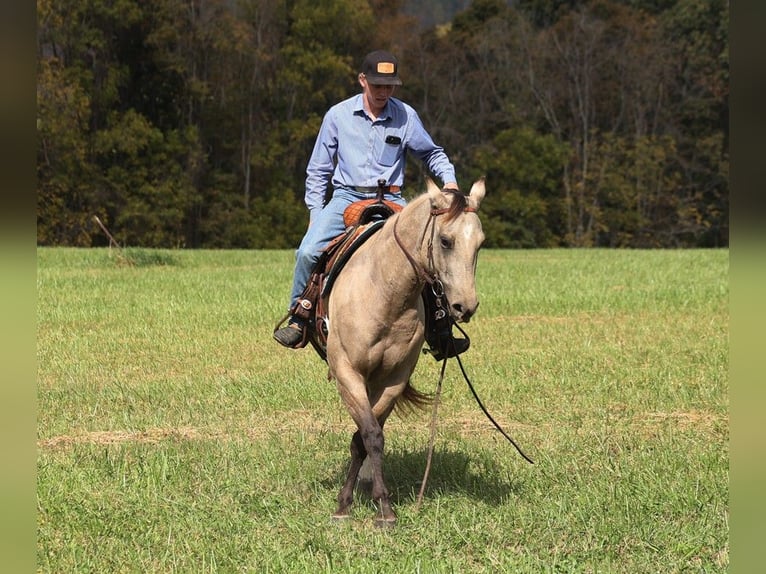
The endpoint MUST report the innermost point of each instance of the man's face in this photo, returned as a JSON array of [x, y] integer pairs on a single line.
[[376, 96]]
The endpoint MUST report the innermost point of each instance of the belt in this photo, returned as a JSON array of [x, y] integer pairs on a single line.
[[387, 189]]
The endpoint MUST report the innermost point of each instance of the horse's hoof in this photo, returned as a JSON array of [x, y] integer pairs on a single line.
[[385, 521], [341, 517]]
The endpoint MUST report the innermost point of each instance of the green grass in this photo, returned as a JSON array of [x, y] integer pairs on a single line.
[[174, 435]]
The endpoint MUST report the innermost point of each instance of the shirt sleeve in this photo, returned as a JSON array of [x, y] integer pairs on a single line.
[[322, 162], [423, 147]]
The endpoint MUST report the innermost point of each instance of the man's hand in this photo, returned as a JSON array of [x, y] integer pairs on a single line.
[[451, 185]]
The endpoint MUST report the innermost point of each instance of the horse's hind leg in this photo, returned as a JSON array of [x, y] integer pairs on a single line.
[[346, 495], [372, 435], [369, 420], [367, 443], [364, 479]]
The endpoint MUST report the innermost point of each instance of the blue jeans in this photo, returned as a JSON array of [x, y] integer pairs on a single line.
[[326, 224]]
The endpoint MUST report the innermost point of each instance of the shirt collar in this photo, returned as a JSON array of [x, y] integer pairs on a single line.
[[359, 108]]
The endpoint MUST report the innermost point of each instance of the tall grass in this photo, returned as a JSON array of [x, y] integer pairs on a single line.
[[174, 435]]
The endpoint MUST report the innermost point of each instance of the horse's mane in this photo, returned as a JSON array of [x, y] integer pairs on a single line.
[[458, 205]]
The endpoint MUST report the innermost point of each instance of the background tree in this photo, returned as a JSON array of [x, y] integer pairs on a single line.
[[64, 206], [525, 209], [190, 122], [697, 30]]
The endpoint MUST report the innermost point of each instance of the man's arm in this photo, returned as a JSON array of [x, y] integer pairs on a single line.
[[321, 164], [433, 156]]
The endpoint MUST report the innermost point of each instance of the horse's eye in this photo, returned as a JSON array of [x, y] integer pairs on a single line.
[[446, 242]]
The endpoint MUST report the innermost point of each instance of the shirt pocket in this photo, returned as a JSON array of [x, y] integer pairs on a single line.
[[392, 148]]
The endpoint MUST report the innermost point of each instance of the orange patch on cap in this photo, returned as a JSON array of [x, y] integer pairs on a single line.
[[385, 68]]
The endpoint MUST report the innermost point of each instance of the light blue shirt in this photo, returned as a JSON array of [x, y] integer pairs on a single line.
[[351, 149]]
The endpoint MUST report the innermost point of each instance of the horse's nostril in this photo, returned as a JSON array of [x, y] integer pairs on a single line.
[[461, 313]]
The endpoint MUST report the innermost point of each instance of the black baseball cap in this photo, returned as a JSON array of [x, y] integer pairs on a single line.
[[381, 68]]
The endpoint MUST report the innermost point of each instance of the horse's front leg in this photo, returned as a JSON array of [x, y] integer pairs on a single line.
[[346, 495]]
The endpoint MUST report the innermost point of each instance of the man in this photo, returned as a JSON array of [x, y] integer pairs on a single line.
[[362, 139]]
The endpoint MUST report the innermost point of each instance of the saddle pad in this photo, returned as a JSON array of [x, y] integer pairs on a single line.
[[345, 249]]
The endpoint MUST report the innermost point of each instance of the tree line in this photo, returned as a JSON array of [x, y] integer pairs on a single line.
[[189, 123]]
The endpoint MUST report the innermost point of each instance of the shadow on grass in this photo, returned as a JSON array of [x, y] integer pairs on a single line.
[[452, 473]]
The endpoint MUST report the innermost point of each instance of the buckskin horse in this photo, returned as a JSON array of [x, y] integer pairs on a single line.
[[376, 318]]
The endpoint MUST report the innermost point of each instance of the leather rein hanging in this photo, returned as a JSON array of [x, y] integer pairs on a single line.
[[420, 273]]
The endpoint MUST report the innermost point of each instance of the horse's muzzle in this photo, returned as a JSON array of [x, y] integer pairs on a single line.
[[462, 313]]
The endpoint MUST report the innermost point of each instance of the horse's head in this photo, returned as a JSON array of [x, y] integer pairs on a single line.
[[455, 239]]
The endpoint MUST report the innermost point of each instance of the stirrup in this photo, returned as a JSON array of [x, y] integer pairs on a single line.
[[292, 335]]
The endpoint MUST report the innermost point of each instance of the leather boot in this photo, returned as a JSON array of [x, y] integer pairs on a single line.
[[290, 335]]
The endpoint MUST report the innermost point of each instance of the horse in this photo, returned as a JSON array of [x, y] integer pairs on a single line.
[[376, 318]]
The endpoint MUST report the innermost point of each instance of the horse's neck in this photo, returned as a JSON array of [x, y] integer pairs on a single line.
[[403, 238]]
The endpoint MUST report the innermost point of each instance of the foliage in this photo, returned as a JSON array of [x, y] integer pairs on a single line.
[[65, 204], [525, 168], [190, 124]]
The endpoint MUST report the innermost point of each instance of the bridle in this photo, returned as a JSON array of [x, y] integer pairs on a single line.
[[430, 275]]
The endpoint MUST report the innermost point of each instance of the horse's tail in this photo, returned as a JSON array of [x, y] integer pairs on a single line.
[[412, 399]]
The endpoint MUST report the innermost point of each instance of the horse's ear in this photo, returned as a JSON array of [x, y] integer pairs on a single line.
[[439, 200], [477, 193]]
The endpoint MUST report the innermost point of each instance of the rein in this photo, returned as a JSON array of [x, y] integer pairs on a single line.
[[437, 398], [421, 273], [484, 409]]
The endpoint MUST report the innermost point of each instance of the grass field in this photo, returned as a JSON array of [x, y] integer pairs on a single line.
[[174, 435]]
